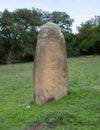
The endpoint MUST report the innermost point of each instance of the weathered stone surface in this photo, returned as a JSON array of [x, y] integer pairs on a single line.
[[50, 67]]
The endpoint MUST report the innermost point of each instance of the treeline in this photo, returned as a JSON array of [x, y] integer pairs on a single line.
[[89, 35], [19, 29], [87, 40]]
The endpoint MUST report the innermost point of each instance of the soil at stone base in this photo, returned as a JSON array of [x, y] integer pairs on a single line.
[[41, 126]]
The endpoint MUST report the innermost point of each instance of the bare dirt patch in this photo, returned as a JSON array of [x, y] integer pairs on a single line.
[[41, 126]]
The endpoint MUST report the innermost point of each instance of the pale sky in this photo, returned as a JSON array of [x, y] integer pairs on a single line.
[[79, 10]]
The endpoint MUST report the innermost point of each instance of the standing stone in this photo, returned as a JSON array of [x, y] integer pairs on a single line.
[[50, 67]]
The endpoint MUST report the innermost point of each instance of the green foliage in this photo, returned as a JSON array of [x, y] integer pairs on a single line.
[[19, 29], [89, 36], [6, 26], [77, 111], [72, 46], [63, 20], [87, 41], [60, 117]]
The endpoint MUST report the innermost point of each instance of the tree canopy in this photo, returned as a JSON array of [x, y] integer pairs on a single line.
[[19, 29], [18, 32], [63, 20]]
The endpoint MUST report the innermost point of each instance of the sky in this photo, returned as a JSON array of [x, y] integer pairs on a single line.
[[79, 10]]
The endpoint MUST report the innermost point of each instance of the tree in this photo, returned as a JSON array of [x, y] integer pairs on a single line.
[[91, 45], [45, 16], [63, 20], [18, 31], [89, 36], [6, 29], [30, 21], [71, 44]]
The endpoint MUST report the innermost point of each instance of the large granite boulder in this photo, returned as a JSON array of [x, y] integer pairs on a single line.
[[50, 67]]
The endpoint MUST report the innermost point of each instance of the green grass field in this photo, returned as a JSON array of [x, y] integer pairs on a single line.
[[80, 110]]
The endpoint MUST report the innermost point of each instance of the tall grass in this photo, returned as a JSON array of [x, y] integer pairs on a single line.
[[80, 110]]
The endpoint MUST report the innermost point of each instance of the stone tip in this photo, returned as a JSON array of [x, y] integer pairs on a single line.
[[50, 25], [50, 29]]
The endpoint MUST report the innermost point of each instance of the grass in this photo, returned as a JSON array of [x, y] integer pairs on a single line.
[[80, 110]]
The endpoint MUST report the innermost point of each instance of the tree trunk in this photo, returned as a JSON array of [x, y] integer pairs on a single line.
[[9, 57]]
